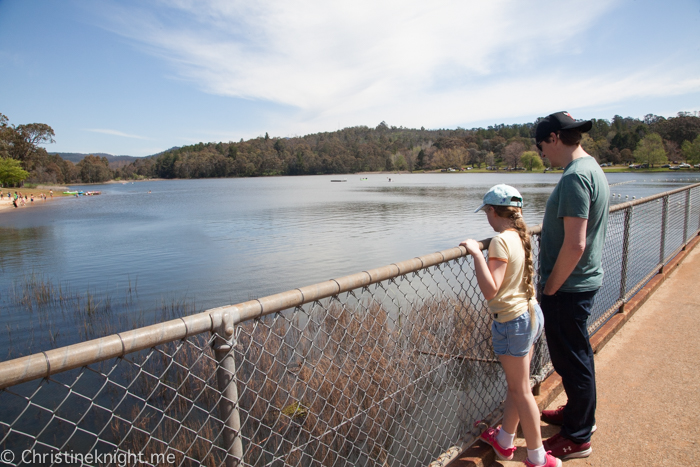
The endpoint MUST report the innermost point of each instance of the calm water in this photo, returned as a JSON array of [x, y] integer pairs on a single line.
[[217, 242]]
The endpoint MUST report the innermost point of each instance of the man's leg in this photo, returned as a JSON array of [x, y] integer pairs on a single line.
[[566, 316]]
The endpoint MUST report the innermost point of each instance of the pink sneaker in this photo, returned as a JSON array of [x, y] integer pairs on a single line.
[[550, 461], [489, 436], [564, 448]]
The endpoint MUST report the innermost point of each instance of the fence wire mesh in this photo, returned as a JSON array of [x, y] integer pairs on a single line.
[[390, 373]]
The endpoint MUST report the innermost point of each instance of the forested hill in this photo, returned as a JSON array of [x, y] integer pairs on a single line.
[[385, 147], [114, 161], [652, 140]]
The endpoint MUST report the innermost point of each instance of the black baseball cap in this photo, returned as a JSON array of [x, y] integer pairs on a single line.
[[560, 121]]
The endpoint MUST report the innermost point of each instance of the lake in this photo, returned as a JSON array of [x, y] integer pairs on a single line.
[[142, 250]]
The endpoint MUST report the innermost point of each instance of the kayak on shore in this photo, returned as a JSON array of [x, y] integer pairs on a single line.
[[82, 193]]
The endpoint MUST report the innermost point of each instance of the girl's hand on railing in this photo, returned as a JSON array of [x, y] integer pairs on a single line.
[[472, 246]]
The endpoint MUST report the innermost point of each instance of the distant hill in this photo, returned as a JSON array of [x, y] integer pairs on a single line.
[[115, 162]]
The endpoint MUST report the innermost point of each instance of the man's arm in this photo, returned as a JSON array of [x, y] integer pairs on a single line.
[[569, 255]]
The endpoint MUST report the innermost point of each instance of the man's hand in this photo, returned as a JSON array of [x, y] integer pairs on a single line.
[[570, 254]]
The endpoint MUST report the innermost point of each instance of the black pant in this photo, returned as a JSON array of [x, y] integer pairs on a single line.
[[565, 325]]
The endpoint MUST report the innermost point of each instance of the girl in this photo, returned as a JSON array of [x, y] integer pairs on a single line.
[[507, 284]]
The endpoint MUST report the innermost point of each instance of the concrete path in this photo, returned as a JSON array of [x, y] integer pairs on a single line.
[[648, 380]]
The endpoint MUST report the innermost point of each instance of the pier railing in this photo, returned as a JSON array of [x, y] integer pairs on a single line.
[[389, 366]]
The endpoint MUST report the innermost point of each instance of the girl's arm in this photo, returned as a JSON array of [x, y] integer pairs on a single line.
[[489, 277]]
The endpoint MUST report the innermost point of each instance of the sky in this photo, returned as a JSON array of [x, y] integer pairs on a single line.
[[136, 77]]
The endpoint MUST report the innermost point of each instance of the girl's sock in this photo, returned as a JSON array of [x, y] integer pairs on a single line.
[[505, 439], [537, 456]]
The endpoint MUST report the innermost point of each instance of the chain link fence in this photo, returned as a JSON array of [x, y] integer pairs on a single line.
[[390, 366]]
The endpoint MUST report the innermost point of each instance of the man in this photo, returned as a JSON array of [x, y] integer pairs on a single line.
[[573, 234]]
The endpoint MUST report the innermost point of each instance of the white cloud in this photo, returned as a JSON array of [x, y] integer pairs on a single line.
[[114, 133], [411, 62], [314, 54]]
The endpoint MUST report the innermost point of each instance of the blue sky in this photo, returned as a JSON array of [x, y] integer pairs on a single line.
[[135, 77]]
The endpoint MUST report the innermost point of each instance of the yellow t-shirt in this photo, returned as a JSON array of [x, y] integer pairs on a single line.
[[511, 299]]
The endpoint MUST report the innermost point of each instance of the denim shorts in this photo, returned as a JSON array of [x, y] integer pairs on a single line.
[[514, 337]]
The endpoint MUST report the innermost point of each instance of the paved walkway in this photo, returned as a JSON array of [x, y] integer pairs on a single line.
[[648, 381]]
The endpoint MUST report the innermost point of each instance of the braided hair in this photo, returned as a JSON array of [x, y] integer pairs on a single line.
[[516, 217]]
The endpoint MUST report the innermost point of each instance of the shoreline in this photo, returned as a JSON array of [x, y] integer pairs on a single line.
[[6, 203]]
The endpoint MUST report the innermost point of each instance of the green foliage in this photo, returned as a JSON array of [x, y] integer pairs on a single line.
[[295, 410], [400, 162], [679, 129], [650, 150], [20, 143], [600, 149], [11, 172], [94, 169], [691, 151], [531, 160], [349, 150]]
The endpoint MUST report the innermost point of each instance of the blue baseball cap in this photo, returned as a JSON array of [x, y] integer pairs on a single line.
[[502, 195]]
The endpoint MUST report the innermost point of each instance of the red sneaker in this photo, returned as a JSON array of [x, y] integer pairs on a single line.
[[564, 448], [556, 417], [553, 417], [550, 461], [489, 436]]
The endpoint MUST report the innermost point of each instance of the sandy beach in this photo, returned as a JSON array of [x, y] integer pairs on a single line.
[[6, 203]]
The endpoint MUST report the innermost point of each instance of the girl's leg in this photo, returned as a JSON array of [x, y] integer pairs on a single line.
[[510, 410], [517, 370]]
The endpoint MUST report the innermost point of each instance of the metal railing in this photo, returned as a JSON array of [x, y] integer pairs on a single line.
[[389, 366]]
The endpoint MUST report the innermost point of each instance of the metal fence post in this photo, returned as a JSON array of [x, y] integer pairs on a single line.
[[228, 403], [625, 251], [664, 219], [686, 219], [699, 221]]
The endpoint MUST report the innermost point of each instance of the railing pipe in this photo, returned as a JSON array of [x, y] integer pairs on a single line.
[[625, 252], [45, 364], [228, 387], [664, 220], [686, 218], [50, 362], [621, 206]]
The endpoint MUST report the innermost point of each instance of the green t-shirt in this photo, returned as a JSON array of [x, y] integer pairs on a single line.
[[582, 192]]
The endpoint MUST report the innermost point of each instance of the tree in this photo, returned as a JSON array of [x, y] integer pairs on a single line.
[[6, 133], [420, 160], [691, 151], [531, 161], [94, 169], [650, 150], [11, 171], [680, 128], [626, 156], [600, 129], [614, 156], [513, 153], [399, 162], [26, 137]]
